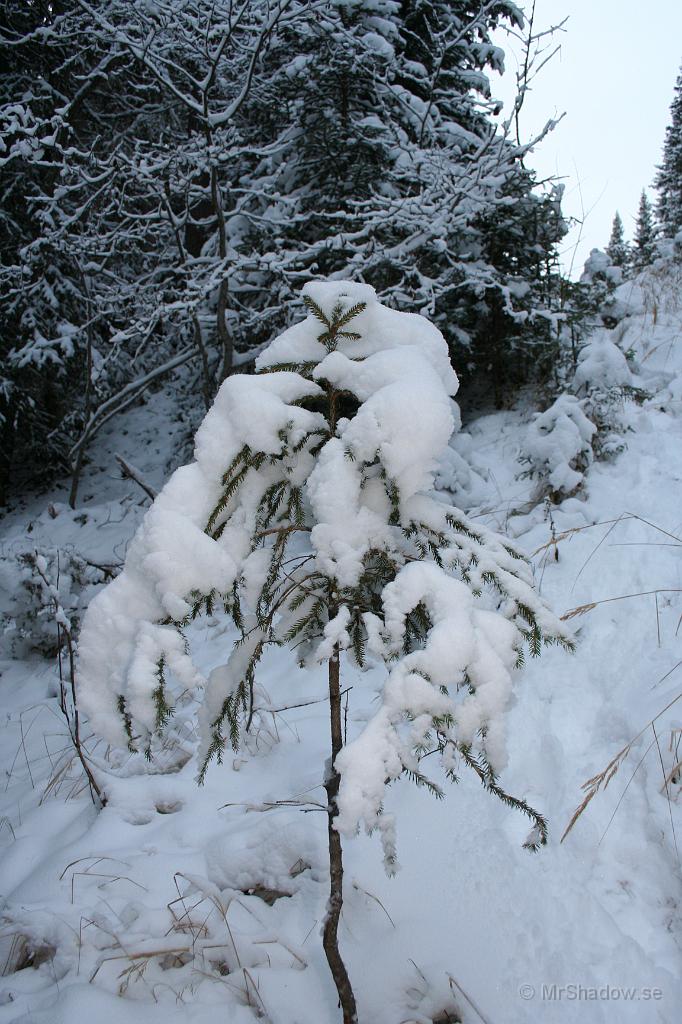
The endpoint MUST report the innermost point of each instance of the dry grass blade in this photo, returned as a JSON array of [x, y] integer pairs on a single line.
[[674, 776], [455, 986], [593, 785], [13, 953], [596, 548], [109, 880], [148, 954], [259, 1006], [667, 792], [553, 541], [602, 779], [96, 861], [302, 964], [623, 518], [581, 609], [6, 823], [376, 900], [622, 795]]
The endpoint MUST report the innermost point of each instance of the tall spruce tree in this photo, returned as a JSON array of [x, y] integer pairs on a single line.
[[645, 233], [381, 129], [618, 250], [669, 178], [311, 517]]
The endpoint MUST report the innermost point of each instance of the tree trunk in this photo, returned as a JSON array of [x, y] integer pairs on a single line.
[[7, 435], [330, 938], [76, 470]]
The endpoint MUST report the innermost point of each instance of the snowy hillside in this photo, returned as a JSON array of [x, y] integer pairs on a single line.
[[179, 903]]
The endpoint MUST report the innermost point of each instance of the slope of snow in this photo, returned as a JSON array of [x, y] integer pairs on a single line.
[[179, 903]]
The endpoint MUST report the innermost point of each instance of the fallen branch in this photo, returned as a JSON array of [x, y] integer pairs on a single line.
[[132, 473]]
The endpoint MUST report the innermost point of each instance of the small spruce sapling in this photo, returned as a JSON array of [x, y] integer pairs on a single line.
[[618, 250], [557, 448], [311, 516], [645, 234]]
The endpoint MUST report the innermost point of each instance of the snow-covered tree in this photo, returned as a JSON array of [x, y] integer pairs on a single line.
[[558, 448], [618, 250], [311, 516], [382, 130], [645, 234], [604, 382], [38, 306], [669, 177], [598, 283], [334, 137], [121, 166]]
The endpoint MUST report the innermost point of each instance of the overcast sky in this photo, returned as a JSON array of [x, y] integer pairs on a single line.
[[614, 78]]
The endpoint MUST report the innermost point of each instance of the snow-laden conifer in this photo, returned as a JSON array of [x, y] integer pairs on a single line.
[[618, 250], [645, 234], [669, 177], [558, 447], [311, 515]]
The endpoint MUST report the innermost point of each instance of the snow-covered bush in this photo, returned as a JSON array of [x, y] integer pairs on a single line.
[[601, 366], [33, 582], [605, 382], [310, 515], [602, 278], [561, 442], [558, 448]]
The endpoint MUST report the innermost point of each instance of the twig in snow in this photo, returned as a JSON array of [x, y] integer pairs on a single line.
[[132, 473], [455, 985], [376, 900], [667, 792], [303, 704]]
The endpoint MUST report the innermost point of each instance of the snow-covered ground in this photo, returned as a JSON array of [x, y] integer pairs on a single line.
[[180, 903]]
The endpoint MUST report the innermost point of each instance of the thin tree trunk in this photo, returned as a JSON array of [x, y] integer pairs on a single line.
[[205, 375], [330, 937], [7, 436], [224, 336], [76, 471], [77, 467]]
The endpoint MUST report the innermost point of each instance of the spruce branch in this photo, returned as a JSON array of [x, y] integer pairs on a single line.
[[313, 308], [480, 766], [340, 319], [164, 710]]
